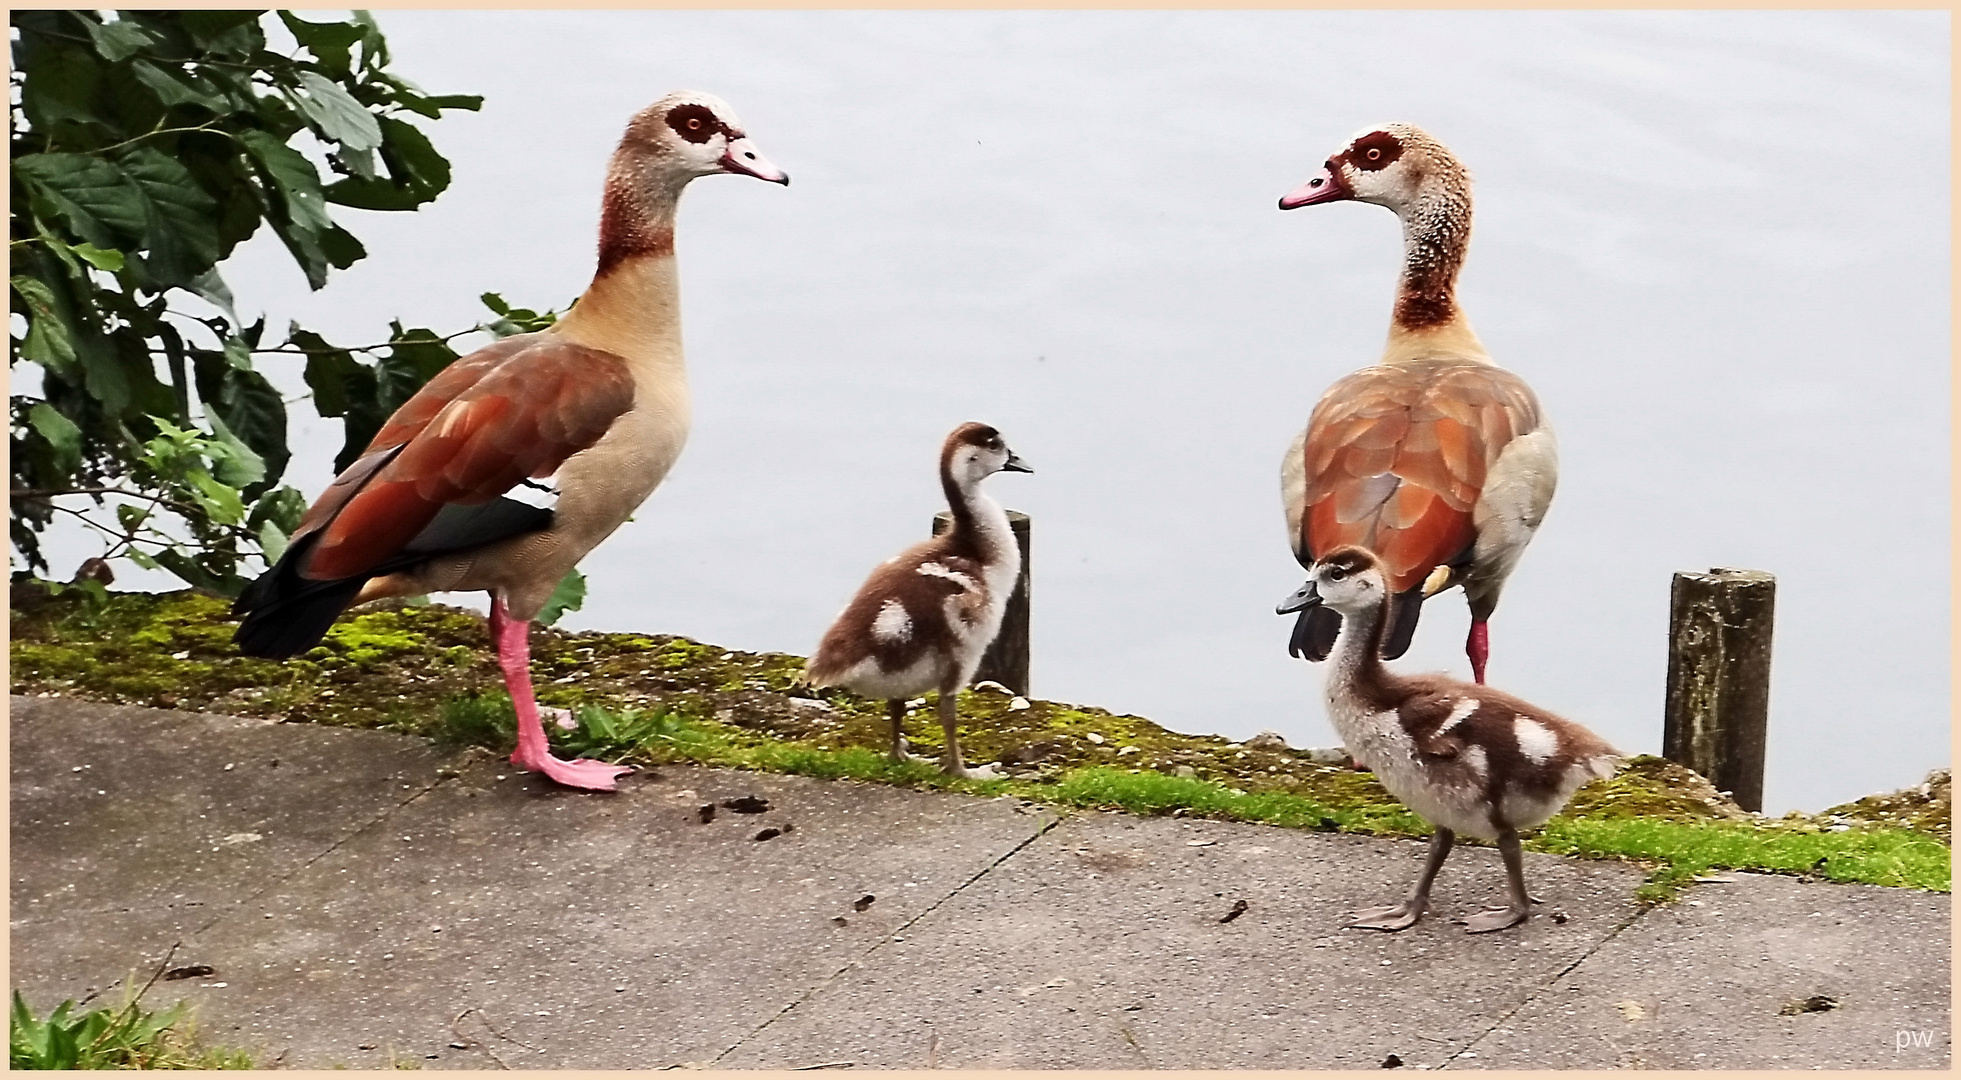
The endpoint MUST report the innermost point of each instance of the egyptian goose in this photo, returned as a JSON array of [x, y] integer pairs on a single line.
[[600, 399], [1435, 459], [1464, 757], [924, 617]]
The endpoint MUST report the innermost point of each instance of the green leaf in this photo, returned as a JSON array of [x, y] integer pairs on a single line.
[[101, 258], [272, 541], [293, 176], [179, 233], [89, 194], [328, 42], [334, 111], [58, 84], [177, 87], [569, 596], [238, 466], [416, 173], [49, 339], [283, 506], [334, 376], [414, 359], [117, 40], [234, 32], [341, 248], [248, 405], [61, 433], [219, 500], [211, 286]]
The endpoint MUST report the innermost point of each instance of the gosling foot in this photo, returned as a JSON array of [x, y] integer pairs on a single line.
[[1497, 918], [1398, 917]]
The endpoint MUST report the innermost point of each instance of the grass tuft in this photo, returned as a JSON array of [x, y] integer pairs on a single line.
[[129, 1037]]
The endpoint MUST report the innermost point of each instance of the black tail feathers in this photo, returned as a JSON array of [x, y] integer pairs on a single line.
[[286, 614]]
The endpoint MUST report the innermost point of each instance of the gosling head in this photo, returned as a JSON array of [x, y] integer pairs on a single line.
[[1390, 165], [1347, 579], [974, 452]]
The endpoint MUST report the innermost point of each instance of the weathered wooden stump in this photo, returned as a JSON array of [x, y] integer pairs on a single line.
[[1006, 661], [1718, 700]]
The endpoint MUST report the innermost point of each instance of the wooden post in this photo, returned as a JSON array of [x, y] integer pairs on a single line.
[[1006, 661], [1718, 702]]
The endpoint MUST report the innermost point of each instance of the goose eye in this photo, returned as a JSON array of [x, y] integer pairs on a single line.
[[1336, 573], [694, 124], [1375, 155]]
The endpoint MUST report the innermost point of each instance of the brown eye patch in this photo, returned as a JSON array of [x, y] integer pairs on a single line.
[[1376, 150], [695, 123]]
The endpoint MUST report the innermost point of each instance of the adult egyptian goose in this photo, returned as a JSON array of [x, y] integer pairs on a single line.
[[924, 617], [1435, 459], [1464, 757], [600, 399]]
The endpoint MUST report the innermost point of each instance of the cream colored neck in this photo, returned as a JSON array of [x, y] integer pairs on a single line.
[[1453, 338], [633, 310]]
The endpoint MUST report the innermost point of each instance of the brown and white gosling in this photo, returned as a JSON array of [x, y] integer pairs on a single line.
[[924, 617], [1466, 758]]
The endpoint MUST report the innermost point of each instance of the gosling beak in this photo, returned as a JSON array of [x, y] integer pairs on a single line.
[[1302, 598], [1015, 464]]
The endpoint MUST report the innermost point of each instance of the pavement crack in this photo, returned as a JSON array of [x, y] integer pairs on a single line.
[[819, 986], [306, 864], [1505, 1017]]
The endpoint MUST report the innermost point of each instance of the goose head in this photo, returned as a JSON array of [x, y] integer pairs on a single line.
[[1390, 165], [974, 452], [689, 134], [1348, 579]]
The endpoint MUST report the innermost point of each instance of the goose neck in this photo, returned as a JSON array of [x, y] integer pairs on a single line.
[[1436, 233]]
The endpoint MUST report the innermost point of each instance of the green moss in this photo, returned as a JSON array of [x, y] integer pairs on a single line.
[[669, 698]]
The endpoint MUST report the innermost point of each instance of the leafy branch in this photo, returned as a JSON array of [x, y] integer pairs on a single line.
[[145, 146]]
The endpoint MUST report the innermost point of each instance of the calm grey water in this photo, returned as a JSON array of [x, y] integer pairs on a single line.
[[1716, 244]]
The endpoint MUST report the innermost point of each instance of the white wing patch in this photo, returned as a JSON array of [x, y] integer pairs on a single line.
[[940, 570], [1474, 761], [1465, 707], [893, 624], [1535, 740]]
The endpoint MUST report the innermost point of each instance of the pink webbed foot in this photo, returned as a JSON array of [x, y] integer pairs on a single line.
[[533, 753], [583, 773]]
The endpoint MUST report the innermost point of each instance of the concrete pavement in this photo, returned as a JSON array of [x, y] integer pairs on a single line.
[[367, 899]]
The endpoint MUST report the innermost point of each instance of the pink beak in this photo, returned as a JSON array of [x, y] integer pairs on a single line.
[[743, 157], [1326, 187]]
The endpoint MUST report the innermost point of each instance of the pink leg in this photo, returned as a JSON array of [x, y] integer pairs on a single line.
[[1478, 648], [533, 754]]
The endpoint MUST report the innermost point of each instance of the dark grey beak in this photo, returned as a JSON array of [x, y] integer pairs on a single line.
[[1015, 464], [1302, 598]]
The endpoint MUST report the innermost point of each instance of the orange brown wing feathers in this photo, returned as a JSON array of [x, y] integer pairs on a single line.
[[1396, 457], [512, 410]]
